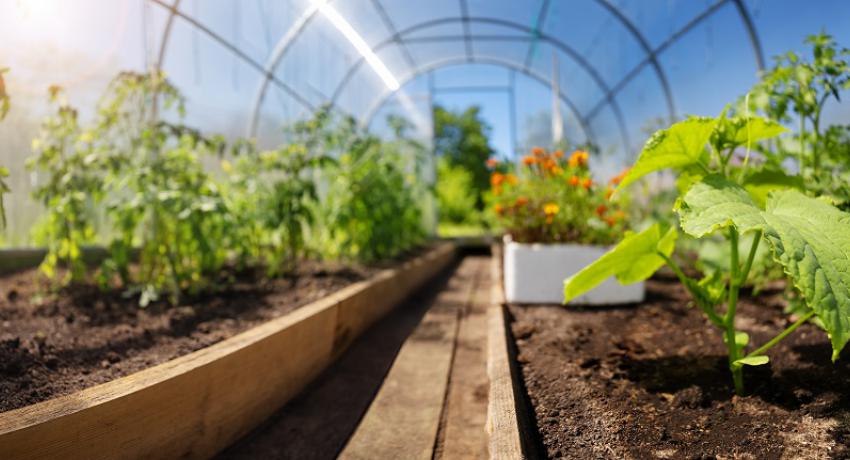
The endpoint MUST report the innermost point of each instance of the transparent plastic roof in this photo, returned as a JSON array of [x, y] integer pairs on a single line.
[[247, 67]]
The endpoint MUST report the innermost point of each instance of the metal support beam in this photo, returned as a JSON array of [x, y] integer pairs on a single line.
[[751, 32], [235, 50], [656, 52], [464, 16], [644, 44], [512, 113], [586, 129], [538, 26], [558, 44], [388, 23]]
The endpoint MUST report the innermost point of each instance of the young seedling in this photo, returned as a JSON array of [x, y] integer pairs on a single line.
[[721, 194]]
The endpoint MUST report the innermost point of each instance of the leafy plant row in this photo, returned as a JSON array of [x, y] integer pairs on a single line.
[[139, 184]]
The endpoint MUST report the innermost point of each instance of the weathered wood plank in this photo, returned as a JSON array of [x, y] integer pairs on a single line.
[[404, 417], [502, 420], [194, 406], [463, 433]]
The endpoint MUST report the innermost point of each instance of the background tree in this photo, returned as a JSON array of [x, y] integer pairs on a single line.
[[463, 139]]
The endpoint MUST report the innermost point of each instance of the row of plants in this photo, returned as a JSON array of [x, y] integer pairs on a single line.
[[142, 187], [777, 200]]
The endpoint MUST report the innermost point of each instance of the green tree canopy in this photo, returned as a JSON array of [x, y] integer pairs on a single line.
[[462, 138]]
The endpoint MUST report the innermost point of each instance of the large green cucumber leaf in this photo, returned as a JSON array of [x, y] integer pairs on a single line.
[[680, 145], [760, 183], [740, 131], [633, 259], [714, 203], [812, 241], [810, 238]]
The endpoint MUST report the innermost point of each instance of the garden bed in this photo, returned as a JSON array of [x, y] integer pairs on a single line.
[[652, 381], [197, 404]]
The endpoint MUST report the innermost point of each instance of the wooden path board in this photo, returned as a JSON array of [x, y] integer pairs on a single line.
[[403, 420], [463, 432]]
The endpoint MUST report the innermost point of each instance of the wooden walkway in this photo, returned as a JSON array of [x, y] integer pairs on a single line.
[[433, 402]]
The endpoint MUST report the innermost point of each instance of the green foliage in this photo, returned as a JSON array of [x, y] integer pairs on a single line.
[[371, 209], [463, 138], [795, 91], [808, 237], [641, 248], [272, 196], [69, 185], [4, 173], [455, 194]]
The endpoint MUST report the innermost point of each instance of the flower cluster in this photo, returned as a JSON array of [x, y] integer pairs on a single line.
[[552, 197]]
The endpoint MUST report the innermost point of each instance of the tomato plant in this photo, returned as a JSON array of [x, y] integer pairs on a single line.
[[797, 89], [553, 198], [371, 208], [4, 173], [272, 198], [808, 237], [69, 185]]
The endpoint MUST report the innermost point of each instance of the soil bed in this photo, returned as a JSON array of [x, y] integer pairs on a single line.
[[651, 381], [55, 344]]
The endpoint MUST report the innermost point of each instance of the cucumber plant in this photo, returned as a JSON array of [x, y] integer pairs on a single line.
[[723, 193]]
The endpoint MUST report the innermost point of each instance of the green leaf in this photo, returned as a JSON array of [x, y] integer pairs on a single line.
[[761, 183], [680, 145], [715, 203], [738, 131], [752, 361], [811, 239], [633, 259]]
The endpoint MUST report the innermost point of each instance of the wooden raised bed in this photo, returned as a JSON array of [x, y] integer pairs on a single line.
[[195, 405]]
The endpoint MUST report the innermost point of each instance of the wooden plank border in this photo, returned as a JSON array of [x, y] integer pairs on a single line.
[[198, 404], [502, 420]]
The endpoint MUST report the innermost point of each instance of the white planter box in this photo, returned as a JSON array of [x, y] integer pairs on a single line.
[[535, 273]]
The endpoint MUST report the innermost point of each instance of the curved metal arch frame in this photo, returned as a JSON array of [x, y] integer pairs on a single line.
[[269, 77], [650, 55], [461, 60], [561, 46]]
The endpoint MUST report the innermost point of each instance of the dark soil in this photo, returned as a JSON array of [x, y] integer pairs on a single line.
[[53, 344], [651, 381]]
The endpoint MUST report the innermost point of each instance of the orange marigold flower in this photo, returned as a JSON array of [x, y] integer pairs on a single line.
[[619, 177], [558, 154], [492, 163], [601, 210], [521, 201], [557, 170], [496, 179], [620, 215], [511, 179], [499, 208], [537, 151], [550, 209], [610, 221], [578, 159], [586, 183], [528, 160], [574, 180], [550, 164]]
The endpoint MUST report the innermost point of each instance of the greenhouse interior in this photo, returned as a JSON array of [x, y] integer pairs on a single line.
[[443, 229]]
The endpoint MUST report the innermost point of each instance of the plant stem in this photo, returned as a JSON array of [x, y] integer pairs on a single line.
[[686, 281], [729, 318], [746, 271], [762, 349]]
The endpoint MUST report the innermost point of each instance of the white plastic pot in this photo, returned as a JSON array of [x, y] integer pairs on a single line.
[[535, 273]]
